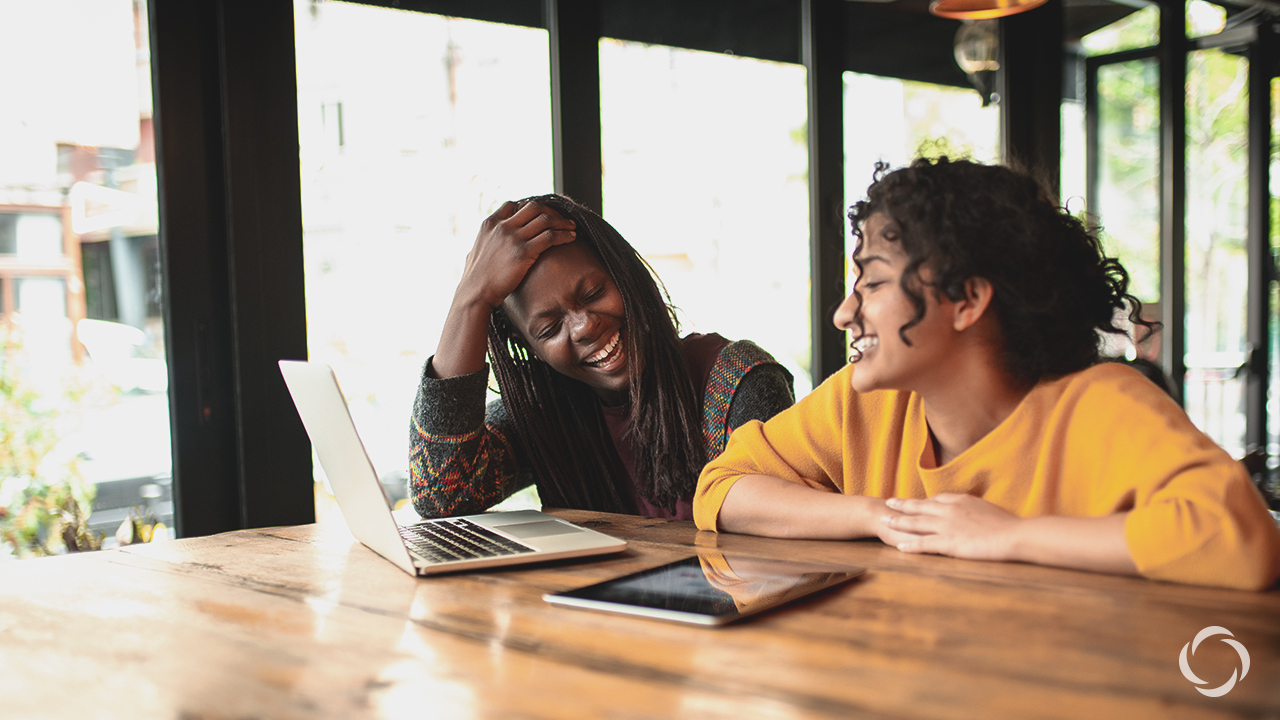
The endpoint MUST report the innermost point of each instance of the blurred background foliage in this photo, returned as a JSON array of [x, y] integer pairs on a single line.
[[44, 503]]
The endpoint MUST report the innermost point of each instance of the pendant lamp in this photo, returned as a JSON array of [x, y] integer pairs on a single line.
[[981, 9], [977, 48]]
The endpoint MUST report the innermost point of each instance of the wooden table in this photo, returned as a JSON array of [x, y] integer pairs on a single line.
[[303, 622]]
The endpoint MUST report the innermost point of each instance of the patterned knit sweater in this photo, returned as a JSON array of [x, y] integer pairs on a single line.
[[465, 457]]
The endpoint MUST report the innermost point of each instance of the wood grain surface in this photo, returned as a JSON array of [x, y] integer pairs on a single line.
[[304, 622]]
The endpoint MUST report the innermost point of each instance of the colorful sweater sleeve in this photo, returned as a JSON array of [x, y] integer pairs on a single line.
[[464, 457], [745, 383]]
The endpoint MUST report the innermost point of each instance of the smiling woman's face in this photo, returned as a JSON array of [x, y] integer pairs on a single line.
[[571, 315], [887, 362]]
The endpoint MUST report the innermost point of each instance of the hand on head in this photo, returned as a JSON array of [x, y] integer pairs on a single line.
[[509, 242]]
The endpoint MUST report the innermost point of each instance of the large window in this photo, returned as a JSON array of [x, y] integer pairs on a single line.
[[1116, 66], [895, 121], [83, 380], [1128, 183], [705, 173], [413, 129], [1217, 262], [1126, 195]]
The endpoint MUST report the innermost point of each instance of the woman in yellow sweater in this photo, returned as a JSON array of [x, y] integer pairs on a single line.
[[975, 420]]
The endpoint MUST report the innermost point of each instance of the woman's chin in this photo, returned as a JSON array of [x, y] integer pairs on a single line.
[[864, 379], [612, 395]]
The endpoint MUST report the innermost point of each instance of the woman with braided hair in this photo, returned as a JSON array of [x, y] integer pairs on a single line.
[[603, 405], [975, 419]]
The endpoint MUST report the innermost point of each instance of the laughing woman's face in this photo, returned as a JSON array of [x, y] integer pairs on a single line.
[[887, 362], [571, 315]]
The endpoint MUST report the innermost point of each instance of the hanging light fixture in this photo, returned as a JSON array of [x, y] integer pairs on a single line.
[[981, 9], [977, 48]]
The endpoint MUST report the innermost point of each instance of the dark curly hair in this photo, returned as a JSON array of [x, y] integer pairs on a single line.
[[559, 420], [1054, 289]]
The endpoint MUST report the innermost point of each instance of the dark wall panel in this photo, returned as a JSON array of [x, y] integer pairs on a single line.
[[766, 29], [897, 39], [902, 40], [509, 12]]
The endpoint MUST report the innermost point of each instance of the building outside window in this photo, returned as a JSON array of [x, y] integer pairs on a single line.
[[84, 397]]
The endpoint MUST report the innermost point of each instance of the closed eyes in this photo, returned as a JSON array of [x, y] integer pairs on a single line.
[[550, 330]]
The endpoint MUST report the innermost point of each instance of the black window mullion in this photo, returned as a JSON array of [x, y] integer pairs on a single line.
[[1173, 191], [1030, 84], [189, 174], [573, 33], [822, 43], [1091, 150], [1261, 57]]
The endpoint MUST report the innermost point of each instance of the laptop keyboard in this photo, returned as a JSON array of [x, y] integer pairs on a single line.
[[458, 539]]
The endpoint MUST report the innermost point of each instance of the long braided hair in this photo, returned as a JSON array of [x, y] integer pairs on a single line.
[[559, 420]]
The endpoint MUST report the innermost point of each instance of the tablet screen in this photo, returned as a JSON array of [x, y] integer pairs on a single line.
[[710, 589]]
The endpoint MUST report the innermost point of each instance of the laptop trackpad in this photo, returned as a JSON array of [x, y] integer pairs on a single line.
[[541, 528]]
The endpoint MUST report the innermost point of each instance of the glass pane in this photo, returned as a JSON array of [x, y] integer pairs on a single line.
[[83, 394], [705, 173], [37, 237], [1205, 18], [41, 303], [9, 233], [408, 141], [1074, 184], [911, 119], [1217, 264], [1138, 30], [41, 299], [1128, 193]]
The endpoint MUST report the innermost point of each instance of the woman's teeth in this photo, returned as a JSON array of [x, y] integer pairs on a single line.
[[604, 352], [866, 342]]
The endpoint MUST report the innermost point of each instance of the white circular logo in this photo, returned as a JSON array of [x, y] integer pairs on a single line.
[[1224, 688]]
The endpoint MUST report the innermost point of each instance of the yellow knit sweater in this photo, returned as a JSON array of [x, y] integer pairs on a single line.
[[1097, 442]]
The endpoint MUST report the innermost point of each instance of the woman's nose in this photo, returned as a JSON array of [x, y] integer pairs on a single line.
[[846, 313], [583, 326]]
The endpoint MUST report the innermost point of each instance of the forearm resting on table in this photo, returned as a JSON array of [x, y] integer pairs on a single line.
[[1096, 544], [773, 507]]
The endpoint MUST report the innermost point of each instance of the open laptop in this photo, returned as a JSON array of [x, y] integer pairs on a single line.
[[432, 546]]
